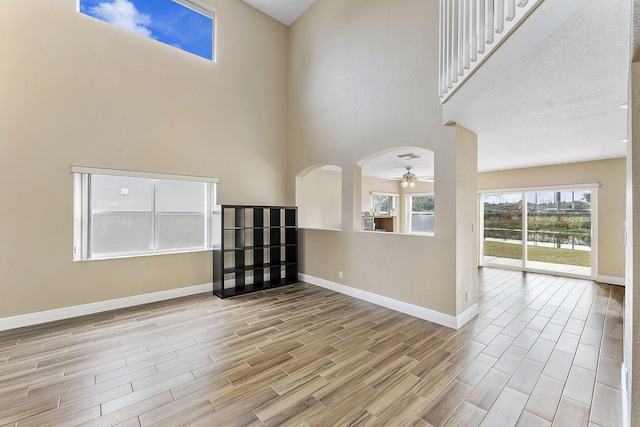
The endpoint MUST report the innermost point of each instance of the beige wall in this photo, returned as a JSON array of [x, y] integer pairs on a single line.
[[362, 78], [610, 174], [331, 196], [466, 218], [319, 199], [78, 91]]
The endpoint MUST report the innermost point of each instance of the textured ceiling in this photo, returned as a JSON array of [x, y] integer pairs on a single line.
[[285, 11], [390, 166], [561, 103]]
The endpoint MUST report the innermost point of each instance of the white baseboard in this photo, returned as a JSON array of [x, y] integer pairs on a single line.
[[626, 422], [403, 307], [97, 307], [467, 315], [611, 280]]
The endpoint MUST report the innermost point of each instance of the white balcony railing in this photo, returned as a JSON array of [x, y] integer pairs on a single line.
[[470, 30]]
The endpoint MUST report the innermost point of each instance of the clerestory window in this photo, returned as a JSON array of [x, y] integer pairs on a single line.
[[185, 24]]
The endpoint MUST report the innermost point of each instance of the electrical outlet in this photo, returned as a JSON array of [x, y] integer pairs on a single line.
[[339, 274], [467, 296]]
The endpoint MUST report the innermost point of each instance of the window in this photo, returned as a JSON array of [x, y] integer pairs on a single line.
[[119, 214], [420, 213], [548, 229], [187, 25], [383, 204]]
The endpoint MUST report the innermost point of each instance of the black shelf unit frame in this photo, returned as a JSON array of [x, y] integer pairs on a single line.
[[256, 248]]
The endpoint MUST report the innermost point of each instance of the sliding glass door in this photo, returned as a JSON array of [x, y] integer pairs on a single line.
[[559, 231], [551, 232], [503, 229]]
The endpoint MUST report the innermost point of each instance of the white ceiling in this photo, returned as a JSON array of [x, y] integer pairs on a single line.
[[285, 11], [390, 166], [561, 103]]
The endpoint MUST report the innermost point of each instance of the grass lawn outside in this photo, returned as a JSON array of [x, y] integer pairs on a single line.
[[538, 253]]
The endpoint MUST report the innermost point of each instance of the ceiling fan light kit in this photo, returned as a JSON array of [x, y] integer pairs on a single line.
[[408, 183], [408, 179]]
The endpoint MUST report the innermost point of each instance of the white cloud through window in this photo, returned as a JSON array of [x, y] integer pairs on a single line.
[[167, 21], [123, 13]]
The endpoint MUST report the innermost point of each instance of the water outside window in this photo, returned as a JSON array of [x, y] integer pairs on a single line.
[[503, 229], [558, 230]]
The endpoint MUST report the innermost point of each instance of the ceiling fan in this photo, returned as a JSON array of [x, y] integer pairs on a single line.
[[409, 179]]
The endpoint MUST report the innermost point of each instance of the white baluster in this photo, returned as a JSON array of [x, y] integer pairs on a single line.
[[511, 10], [474, 30], [455, 32], [461, 32], [499, 16], [441, 38], [490, 20], [481, 25], [466, 41]]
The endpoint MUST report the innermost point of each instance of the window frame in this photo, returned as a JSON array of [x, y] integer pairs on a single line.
[[195, 6], [393, 207], [409, 213], [82, 213], [524, 191]]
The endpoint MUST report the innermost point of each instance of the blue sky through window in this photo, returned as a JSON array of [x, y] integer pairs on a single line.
[[162, 20]]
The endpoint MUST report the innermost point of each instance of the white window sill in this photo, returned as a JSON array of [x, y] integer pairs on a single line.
[[397, 233], [143, 255]]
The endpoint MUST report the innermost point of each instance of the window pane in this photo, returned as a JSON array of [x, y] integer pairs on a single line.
[[120, 233], [559, 225], [181, 231], [422, 214], [503, 229], [422, 204], [422, 223], [164, 20], [121, 216], [180, 196], [120, 193], [382, 204]]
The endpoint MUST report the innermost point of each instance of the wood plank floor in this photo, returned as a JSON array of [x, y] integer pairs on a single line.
[[544, 351]]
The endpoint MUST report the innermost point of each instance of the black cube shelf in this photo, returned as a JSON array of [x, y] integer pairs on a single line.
[[256, 248]]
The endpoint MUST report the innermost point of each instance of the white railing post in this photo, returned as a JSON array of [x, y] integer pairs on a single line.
[[470, 30], [499, 16]]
